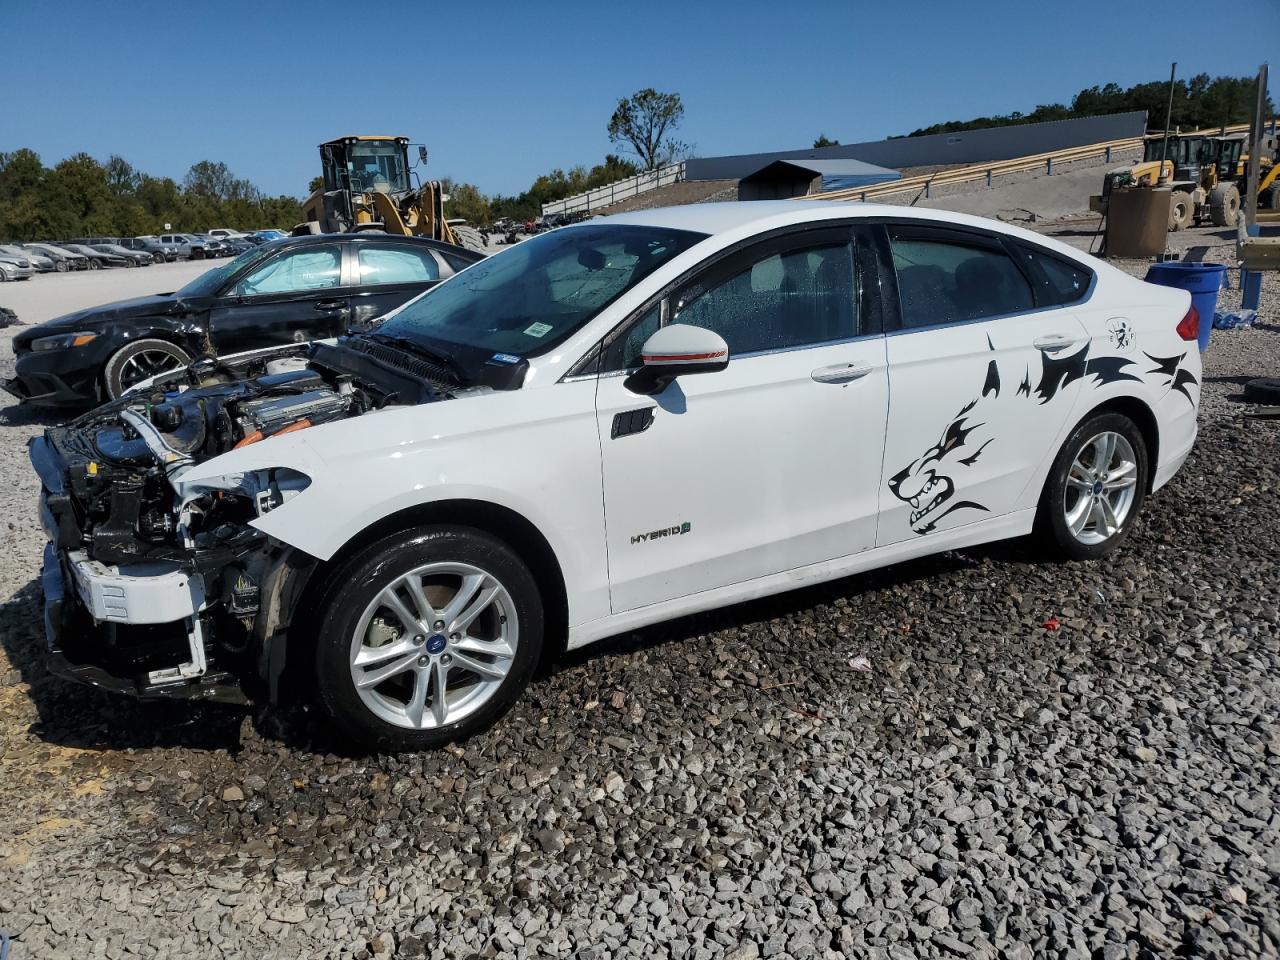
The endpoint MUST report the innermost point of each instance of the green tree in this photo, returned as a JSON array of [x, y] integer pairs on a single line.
[[468, 203], [823, 141], [1201, 102], [643, 120]]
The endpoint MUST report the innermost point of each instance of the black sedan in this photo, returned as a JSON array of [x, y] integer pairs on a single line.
[[98, 258], [290, 290], [133, 258]]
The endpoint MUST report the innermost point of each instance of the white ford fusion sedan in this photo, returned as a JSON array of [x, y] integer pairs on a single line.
[[602, 427]]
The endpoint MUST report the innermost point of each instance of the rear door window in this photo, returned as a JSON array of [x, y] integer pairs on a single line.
[[946, 277], [394, 263]]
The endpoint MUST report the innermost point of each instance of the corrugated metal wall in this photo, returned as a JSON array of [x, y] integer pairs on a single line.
[[969, 146]]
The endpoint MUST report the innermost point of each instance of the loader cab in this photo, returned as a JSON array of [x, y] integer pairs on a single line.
[[1198, 159], [366, 165]]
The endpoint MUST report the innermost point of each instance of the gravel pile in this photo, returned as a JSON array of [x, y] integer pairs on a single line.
[[975, 755]]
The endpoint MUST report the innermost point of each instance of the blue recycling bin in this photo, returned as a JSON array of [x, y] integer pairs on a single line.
[[1201, 280]]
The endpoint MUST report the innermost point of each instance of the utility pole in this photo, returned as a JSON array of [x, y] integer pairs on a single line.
[[1251, 280], [1168, 114]]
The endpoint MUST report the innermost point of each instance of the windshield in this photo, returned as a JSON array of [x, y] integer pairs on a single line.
[[378, 165], [211, 281], [532, 296]]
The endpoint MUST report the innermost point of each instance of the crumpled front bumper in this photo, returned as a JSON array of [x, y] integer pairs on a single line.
[[85, 603], [135, 629]]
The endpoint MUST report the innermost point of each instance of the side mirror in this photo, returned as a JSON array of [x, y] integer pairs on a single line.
[[674, 351]]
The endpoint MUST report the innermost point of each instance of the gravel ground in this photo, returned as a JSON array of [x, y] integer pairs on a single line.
[[902, 764]]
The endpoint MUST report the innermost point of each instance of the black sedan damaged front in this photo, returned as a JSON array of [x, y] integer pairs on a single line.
[[159, 586]]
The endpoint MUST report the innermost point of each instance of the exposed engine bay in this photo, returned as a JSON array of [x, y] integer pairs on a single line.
[[118, 511]]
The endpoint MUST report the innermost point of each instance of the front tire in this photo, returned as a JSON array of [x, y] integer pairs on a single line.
[[425, 638], [140, 361], [1182, 210], [1095, 489]]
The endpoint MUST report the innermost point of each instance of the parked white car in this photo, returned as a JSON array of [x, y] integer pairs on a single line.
[[606, 426], [222, 233]]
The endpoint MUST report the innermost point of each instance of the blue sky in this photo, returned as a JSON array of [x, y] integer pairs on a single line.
[[503, 92]]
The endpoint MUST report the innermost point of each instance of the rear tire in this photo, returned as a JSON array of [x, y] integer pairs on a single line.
[[60, 266], [1094, 490], [138, 361], [424, 573], [1224, 205], [1182, 210], [94, 265]]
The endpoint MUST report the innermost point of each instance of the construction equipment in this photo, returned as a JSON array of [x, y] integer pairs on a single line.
[[1205, 172], [367, 186]]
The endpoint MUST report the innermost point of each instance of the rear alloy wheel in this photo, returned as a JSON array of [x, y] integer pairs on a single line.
[[426, 638], [157, 257], [94, 265], [60, 266], [1095, 488], [140, 361]]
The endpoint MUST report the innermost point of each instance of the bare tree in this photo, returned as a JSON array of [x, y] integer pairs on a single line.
[[643, 120]]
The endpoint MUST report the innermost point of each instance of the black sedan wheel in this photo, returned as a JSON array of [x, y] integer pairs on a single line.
[[94, 265], [140, 361]]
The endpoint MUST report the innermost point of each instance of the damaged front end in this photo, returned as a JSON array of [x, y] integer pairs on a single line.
[[156, 581]]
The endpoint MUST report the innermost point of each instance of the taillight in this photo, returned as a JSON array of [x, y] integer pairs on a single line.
[[1189, 326]]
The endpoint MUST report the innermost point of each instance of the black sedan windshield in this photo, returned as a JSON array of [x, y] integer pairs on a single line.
[[527, 299]]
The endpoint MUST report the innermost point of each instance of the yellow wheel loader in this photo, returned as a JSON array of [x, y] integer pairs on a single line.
[[367, 187], [1206, 174]]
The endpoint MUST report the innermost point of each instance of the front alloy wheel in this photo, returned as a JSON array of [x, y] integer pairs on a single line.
[[425, 637], [434, 645]]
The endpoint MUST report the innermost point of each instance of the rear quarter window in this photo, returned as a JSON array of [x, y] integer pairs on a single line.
[[1057, 280]]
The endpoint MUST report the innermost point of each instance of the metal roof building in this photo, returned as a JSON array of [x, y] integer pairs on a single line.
[[966, 146]]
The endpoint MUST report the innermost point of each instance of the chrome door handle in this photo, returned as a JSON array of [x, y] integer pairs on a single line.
[[1055, 342], [841, 372]]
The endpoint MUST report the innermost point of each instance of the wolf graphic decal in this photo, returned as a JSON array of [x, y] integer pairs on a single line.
[[930, 483]]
